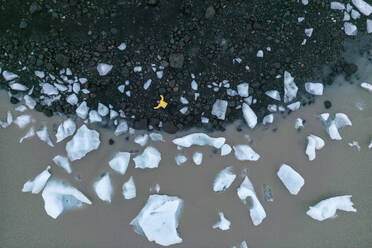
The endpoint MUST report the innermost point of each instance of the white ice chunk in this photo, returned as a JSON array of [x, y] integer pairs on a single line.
[[119, 162], [313, 143], [84, 141], [369, 26], [113, 114], [305, 2], [121, 128], [184, 100], [156, 137], [103, 187], [260, 54], [147, 84], [141, 139], [327, 208], [224, 179], [103, 110], [350, 29], [291, 179], [355, 14], [63, 162], [36, 185], [245, 152], [49, 89], [159, 74], [121, 88], [272, 107], [65, 129], [223, 224], [294, 106], [268, 119], [72, 99], [219, 109], [225, 149], [274, 94], [104, 69], [354, 144], [249, 115], [309, 31], [137, 69], [314, 88], [244, 244], [82, 110], [256, 211], [29, 101], [43, 135], [21, 108], [197, 157], [30, 133], [18, 87], [184, 110], [290, 87], [76, 88], [370, 145], [243, 89], [158, 219], [129, 189], [94, 116], [365, 85], [180, 159], [363, 7], [199, 139], [194, 85], [9, 76], [332, 126], [122, 46], [150, 158], [59, 196], [337, 6]]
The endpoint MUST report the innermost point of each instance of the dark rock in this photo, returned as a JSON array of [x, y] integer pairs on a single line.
[[111, 141], [140, 124], [210, 12], [34, 7], [350, 69], [14, 100], [176, 60], [152, 2], [62, 60], [23, 24], [169, 127], [327, 104], [47, 112]]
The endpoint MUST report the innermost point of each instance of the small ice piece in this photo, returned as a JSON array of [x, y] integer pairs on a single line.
[[355, 144], [219, 109], [305, 2], [49, 89], [159, 74], [300, 19], [225, 149], [237, 60], [224, 179], [365, 85], [184, 100], [129, 189], [18, 87], [327, 208], [337, 6], [82, 110], [194, 85], [36, 185], [223, 224], [260, 54], [84, 141], [76, 88], [44, 135], [272, 107], [21, 108], [137, 69], [267, 193], [156, 137], [103, 69], [29, 134], [59, 196], [184, 110], [113, 114], [313, 143], [141, 139], [294, 106], [9, 76], [9, 119], [249, 116], [290, 87], [65, 129], [157, 188], [121, 128], [158, 220], [72, 99], [119, 162], [370, 145], [197, 157], [291, 179], [244, 244], [243, 89], [363, 7], [200, 139], [147, 84], [274, 94], [121, 88], [350, 29], [268, 119], [29, 101], [314, 88], [204, 120], [369, 27], [180, 159], [309, 32], [61, 87], [346, 17], [83, 80], [150, 158], [63, 162], [256, 211], [355, 14], [103, 187], [102, 109], [122, 46], [94, 116], [332, 126], [245, 152]]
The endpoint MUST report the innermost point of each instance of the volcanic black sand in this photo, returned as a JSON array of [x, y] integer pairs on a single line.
[[185, 37]]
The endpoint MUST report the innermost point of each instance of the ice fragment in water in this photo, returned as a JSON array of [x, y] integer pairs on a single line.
[[365, 85], [158, 219], [197, 157], [194, 85], [245, 152], [129, 189], [150, 158], [44, 136], [122, 46], [141, 139], [59, 196], [29, 134], [29, 101], [94, 116], [370, 145], [8, 76], [291, 179], [36, 185], [121, 128], [313, 143], [103, 69], [225, 149], [290, 87], [8, 122], [363, 7], [332, 126], [184, 110], [243, 89], [268, 119], [63, 162], [260, 54], [219, 109], [355, 14], [355, 144], [224, 179], [156, 137], [294, 106], [350, 29], [103, 187], [102, 110], [180, 159], [327, 208], [65, 129], [84, 141], [223, 224], [23, 120], [199, 139], [369, 29], [274, 94], [249, 115], [314, 88], [119, 162], [82, 110]]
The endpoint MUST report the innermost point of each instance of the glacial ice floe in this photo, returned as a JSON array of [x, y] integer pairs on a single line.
[[65, 129], [129, 189], [156, 137], [245, 152], [313, 143], [36, 185], [249, 115], [224, 179], [243, 89], [150, 158], [299, 123], [82, 110], [9, 76], [17, 86], [223, 224], [268, 119], [291, 179], [119, 162], [274, 94], [364, 7], [103, 187], [29, 101], [9, 120], [43, 135], [94, 116], [84, 141], [350, 29], [102, 109], [199, 139]]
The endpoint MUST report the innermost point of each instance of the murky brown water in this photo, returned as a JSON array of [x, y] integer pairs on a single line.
[[337, 170]]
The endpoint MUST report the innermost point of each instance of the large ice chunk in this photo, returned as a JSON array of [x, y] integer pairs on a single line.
[[249, 115], [36, 185], [223, 224], [327, 208], [65, 129], [313, 143], [363, 7], [219, 109], [150, 158], [82, 110], [62, 162], [245, 152], [84, 141], [23, 120], [256, 211], [8, 76], [314, 88], [290, 87], [332, 126], [119, 162], [103, 69], [103, 187], [291, 179], [156, 137], [158, 219], [59, 196], [199, 139], [129, 189], [43, 135], [103, 110], [243, 89], [224, 179]]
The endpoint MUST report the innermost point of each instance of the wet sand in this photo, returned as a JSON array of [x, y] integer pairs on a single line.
[[337, 170]]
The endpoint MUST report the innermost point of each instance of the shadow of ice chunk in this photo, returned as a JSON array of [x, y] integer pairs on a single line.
[[245, 152], [327, 208], [150, 158], [65, 129], [119, 162], [37, 184], [84, 141], [199, 139], [158, 219], [223, 224], [224, 179], [103, 187], [129, 189], [291, 179], [59, 196], [256, 211]]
